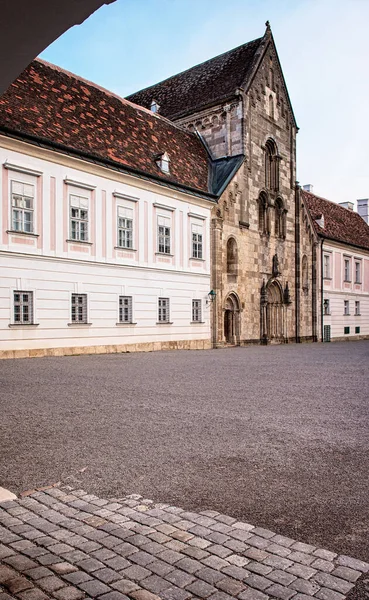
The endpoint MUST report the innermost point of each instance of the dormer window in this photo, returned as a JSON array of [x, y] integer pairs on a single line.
[[163, 162], [154, 106]]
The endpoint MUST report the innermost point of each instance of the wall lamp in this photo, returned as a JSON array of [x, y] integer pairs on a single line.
[[211, 296]]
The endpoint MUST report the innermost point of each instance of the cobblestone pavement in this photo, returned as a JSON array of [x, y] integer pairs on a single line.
[[66, 544]]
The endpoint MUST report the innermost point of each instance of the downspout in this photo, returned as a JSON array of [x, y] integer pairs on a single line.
[[321, 290], [297, 263]]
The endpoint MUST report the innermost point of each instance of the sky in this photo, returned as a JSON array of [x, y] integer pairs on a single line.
[[323, 47]]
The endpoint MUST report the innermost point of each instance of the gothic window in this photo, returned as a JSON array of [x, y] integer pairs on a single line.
[[232, 257], [271, 166], [263, 214], [305, 273], [280, 219], [271, 107]]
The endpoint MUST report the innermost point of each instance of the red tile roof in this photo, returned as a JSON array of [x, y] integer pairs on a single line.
[[340, 224], [211, 82], [58, 107]]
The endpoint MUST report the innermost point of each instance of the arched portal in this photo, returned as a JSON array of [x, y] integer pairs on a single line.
[[274, 312], [231, 319]]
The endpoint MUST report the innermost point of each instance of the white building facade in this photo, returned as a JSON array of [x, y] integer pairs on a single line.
[[97, 261]]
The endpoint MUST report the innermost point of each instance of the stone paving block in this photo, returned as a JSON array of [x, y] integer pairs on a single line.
[[241, 535], [6, 573], [18, 584], [175, 545], [200, 531], [155, 584], [139, 540], [303, 597], [196, 553], [277, 562], [179, 578], [242, 525], [279, 550], [259, 568], [205, 521], [279, 591], [258, 542], [301, 571], [322, 565], [103, 554], [325, 554], [152, 548], [169, 556], [238, 561], [236, 572], [136, 572], [333, 583], [225, 519], [346, 573], [19, 562], [258, 582], [5, 551], [201, 589], [69, 593], [353, 563], [174, 593], [198, 542], [161, 538], [188, 564], [301, 547], [233, 587], [94, 588], [60, 549], [251, 594], [327, 594], [107, 575], [141, 558], [125, 586], [217, 538], [265, 533], [215, 562], [161, 568], [210, 575], [75, 556], [220, 596], [48, 559], [305, 587], [38, 573], [90, 565], [77, 577], [125, 549], [221, 528], [255, 554], [117, 563], [281, 577], [144, 595], [32, 594], [301, 557], [51, 583]]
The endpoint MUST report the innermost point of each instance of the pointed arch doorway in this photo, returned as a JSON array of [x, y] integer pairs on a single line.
[[274, 313], [231, 320]]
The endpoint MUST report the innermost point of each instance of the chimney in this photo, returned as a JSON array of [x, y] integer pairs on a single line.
[[308, 188], [362, 209], [348, 205]]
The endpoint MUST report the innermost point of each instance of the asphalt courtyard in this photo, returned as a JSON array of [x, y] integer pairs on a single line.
[[276, 436]]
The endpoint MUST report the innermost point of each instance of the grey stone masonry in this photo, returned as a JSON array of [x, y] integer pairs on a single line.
[[62, 543]]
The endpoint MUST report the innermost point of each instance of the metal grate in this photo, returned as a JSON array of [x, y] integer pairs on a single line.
[[79, 308], [327, 333], [23, 308], [196, 311], [163, 312], [125, 309]]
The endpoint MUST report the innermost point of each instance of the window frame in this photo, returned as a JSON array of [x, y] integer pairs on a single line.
[[357, 308], [357, 271], [197, 241], [128, 243], [22, 209], [122, 309], [79, 220], [346, 308], [197, 310], [22, 303], [84, 307], [327, 266], [163, 310], [164, 239], [347, 270]]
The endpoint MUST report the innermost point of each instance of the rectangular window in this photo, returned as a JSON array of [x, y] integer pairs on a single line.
[[79, 308], [357, 272], [196, 311], [163, 310], [357, 307], [357, 329], [346, 307], [197, 241], [125, 309], [125, 227], [346, 330], [23, 308], [347, 269], [78, 218], [163, 235], [327, 333], [327, 266], [23, 195], [326, 307]]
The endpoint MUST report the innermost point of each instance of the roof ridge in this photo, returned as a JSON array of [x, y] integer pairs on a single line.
[[110, 93], [259, 39], [330, 201]]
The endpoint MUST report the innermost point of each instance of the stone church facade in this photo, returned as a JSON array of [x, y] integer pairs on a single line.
[[263, 246]]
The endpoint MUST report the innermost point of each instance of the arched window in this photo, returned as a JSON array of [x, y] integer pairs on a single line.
[[280, 219], [271, 165], [305, 273], [232, 257], [263, 214]]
